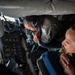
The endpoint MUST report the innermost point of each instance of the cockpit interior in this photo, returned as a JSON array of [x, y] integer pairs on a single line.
[[19, 54]]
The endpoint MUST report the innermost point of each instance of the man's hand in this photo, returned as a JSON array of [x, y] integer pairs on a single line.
[[65, 62], [36, 37]]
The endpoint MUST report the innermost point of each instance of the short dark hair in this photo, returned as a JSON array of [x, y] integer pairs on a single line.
[[32, 18], [35, 19]]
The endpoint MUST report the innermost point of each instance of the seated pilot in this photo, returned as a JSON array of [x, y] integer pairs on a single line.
[[45, 28], [62, 62]]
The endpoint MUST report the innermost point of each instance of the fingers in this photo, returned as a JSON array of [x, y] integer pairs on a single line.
[[63, 63], [35, 38], [64, 58]]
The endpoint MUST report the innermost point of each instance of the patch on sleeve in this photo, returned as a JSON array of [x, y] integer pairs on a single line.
[[44, 31]]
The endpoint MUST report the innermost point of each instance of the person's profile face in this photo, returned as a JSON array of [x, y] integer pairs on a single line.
[[69, 41]]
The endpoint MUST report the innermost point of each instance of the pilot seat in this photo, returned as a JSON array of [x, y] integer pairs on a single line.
[[49, 64]]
